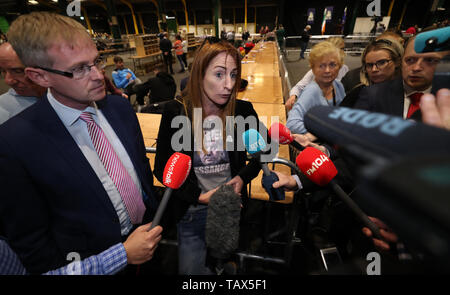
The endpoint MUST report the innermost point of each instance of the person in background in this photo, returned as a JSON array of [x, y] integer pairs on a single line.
[[304, 41], [185, 44], [179, 52], [23, 92], [166, 47], [309, 76], [280, 36], [352, 78], [161, 87], [125, 78], [325, 61], [110, 88], [381, 61], [97, 185], [401, 96], [212, 87]]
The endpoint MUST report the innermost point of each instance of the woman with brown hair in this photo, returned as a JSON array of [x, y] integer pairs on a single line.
[[201, 117]]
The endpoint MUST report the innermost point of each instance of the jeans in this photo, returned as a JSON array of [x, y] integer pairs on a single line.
[[182, 64], [303, 46], [191, 242]]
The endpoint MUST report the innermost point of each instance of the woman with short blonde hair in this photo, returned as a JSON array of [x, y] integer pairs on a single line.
[[325, 60]]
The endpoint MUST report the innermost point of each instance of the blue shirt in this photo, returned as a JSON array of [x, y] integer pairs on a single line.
[[120, 77], [12, 103], [108, 262], [311, 96]]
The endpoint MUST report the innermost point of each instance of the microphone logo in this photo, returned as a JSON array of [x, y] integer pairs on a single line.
[[168, 176], [316, 164]]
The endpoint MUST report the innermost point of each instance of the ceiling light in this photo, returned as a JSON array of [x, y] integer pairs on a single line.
[[33, 2]]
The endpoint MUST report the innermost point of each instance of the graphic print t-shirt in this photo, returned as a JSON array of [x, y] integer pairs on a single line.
[[212, 167]]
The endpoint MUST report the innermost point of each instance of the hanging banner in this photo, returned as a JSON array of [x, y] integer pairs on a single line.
[[344, 17], [329, 14], [311, 13]]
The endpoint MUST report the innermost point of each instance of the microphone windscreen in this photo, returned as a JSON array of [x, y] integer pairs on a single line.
[[253, 141], [441, 36], [280, 133], [381, 134], [222, 222], [176, 170], [316, 166]]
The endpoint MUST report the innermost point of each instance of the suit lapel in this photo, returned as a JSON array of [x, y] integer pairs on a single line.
[[65, 146], [395, 97]]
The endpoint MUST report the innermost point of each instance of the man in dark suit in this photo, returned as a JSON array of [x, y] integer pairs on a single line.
[[401, 97], [73, 169], [166, 48]]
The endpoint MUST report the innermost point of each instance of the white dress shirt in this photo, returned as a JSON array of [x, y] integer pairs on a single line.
[[78, 129]]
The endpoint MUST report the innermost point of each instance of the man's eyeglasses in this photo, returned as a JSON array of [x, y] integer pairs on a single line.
[[381, 64], [80, 71]]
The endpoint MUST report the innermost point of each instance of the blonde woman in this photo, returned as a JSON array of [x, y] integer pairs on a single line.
[[381, 61], [325, 61], [309, 76]]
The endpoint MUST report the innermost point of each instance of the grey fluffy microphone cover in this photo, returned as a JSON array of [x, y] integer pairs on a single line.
[[222, 222]]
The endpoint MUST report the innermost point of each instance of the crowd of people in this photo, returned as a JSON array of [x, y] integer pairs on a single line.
[[87, 187]]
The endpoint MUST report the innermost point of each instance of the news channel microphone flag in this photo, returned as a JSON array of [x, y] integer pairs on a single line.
[[175, 173]]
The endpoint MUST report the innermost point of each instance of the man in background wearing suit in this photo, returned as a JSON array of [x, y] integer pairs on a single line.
[[73, 168], [23, 92], [401, 97]]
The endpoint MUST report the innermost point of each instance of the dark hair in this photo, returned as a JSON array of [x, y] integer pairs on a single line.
[[117, 59]]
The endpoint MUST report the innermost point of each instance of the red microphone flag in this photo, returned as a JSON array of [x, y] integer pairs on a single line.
[[176, 170], [316, 166], [284, 134]]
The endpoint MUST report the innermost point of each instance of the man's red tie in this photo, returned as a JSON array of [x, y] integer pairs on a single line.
[[116, 170], [415, 103]]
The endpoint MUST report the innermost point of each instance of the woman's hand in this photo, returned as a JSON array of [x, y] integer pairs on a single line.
[[204, 198], [306, 140], [237, 184], [290, 102]]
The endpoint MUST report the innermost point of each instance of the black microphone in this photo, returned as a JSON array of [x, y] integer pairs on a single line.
[[384, 135]]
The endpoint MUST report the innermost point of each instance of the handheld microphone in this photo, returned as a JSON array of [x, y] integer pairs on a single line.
[[175, 173], [431, 41], [321, 170], [255, 144], [281, 134], [383, 135]]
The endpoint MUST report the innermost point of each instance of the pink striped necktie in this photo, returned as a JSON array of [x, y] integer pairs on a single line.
[[116, 170]]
